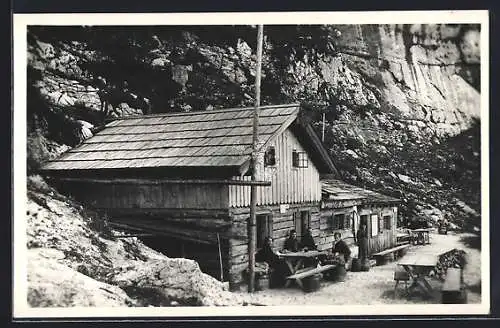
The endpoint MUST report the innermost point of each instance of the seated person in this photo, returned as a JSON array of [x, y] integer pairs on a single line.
[[340, 248], [292, 243], [279, 269], [307, 242], [267, 254]]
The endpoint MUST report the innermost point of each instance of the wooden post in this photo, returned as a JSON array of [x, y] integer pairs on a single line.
[[323, 130], [253, 189], [220, 259]]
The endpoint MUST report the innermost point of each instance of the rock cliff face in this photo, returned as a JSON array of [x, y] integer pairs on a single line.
[[427, 74]]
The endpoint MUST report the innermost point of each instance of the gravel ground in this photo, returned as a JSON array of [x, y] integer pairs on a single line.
[[377, 285]]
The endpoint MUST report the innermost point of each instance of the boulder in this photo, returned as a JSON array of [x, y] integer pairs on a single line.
[[179, 280], [52, 284]]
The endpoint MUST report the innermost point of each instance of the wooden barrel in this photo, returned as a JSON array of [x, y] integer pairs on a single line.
[[336, 274], [311, 283], [262, 282], [277, 279], [355, 265]]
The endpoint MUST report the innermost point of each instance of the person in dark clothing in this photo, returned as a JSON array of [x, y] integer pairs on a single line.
[[292, 243], [279, 269], [340, 248], [267, 254], [362, 240], [307, 242]]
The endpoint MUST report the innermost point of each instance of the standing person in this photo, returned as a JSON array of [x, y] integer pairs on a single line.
[[307, 242], [292, 243], [362, 238]]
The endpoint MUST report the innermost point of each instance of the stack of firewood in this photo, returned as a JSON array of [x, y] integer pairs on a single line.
[[453, 259]]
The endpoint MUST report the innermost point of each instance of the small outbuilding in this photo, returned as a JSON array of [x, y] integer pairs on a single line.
[[344, 207]]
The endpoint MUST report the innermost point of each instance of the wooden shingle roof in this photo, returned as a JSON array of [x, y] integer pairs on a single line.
[[336, 190], [218, 138]]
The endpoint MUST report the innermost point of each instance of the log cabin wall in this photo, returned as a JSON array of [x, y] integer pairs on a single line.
[[151, 196], [327, 229], [289, 184], [184, 220], [282, 220]]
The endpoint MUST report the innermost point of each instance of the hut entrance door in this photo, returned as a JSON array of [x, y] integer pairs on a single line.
[[302, 222], [264, 228]]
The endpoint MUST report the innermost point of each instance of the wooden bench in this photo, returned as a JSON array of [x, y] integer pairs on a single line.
[[301, 274], [453, 291], [400, 275], [311, 271], [380, 257]]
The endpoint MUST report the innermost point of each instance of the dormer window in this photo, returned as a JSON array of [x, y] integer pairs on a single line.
[[270, 157], [299, 159]]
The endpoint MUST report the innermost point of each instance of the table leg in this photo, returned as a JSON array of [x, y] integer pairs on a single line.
[[292, 270], [298, 265], [427, 285]]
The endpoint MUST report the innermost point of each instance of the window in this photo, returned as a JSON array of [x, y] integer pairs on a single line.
[[270, 157], [337, 221], [387, 222], [341, 221], [299, 159], [380, 224]]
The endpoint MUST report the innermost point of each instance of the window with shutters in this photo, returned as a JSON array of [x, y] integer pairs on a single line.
[[299, 159], [270, 157]]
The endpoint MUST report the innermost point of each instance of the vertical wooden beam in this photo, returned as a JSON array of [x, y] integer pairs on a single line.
[[323, 129], [253, 189]]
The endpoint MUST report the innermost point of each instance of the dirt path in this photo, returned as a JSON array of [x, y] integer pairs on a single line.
[[377, 285]]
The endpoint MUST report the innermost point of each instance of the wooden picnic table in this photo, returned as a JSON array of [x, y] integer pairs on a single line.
[[418, 267], [403, 238], [422, 234], [295, 260]]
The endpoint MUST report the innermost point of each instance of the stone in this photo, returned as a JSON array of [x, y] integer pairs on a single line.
[[404, 178], [351, 153], [52, 284], [180, 73], [179, 280]]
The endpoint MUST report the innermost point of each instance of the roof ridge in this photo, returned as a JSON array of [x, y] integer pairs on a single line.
[[198, 112]]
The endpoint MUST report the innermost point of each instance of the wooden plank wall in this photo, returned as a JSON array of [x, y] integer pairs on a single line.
[[385, 239], [196, 196], [288, 184], [282, 223]]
